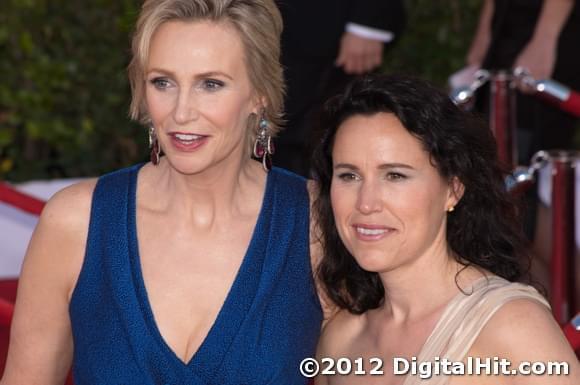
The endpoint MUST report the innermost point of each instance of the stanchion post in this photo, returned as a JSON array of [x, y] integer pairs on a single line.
[[563, 242], [502, 116]]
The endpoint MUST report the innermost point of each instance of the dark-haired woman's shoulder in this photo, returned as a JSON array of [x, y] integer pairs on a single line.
[[339, 334], [523, 330]]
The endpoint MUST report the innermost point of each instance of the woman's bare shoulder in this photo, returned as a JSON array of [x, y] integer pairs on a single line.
[[339, 332], [61, 234], [525, 330], [71, 204], [517, 321], [67, 214]]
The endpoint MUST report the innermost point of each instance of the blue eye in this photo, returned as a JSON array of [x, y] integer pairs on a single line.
[[160, 83], [212, 84]]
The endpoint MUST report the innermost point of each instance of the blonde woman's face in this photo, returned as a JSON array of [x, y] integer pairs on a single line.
[[198, 94]]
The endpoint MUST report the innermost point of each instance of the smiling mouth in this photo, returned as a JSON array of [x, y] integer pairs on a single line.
[[365, 231], [372, 232], [187, 138]]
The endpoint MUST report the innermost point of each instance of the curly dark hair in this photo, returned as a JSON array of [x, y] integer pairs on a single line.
[[485, 228]]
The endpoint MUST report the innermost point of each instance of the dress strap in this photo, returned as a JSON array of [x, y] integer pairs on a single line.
[[464, 318]]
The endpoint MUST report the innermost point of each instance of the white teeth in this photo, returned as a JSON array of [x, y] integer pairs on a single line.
[[364, 231], [187, 137]]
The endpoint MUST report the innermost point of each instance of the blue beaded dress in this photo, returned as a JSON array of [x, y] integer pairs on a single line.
[[269, 322]]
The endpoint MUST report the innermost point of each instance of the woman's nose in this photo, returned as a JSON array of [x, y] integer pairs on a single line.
[[185, 108], [369, 198]]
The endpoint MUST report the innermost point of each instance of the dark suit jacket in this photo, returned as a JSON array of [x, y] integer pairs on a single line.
[[314, 27]]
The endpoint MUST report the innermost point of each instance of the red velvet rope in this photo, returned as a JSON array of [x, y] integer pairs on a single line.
[[6, 310], [26, 203], [572, 105], [573, 337], [20, 200]]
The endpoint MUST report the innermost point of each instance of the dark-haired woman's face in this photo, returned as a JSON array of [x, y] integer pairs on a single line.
[[389, 201]]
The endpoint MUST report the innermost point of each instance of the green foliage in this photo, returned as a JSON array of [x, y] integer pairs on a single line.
[[436, 39], [64, 93]]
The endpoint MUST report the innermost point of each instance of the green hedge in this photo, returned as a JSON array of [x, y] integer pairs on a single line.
[[436, 40], [64, 94]]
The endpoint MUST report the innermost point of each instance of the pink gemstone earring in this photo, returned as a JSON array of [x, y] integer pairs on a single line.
[[154, 146], [263, 145]]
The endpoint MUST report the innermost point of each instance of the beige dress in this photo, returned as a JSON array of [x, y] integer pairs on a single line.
[[463, 319]]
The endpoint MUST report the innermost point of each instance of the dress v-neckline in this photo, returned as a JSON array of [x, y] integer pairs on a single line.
[[206, 360]]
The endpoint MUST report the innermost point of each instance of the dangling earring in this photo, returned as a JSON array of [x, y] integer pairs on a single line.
[[154, 146], [264, 146]]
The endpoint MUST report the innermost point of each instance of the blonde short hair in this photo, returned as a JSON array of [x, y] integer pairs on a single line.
[[259, 24]]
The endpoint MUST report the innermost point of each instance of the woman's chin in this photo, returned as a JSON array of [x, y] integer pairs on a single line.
[[188, 165], [374, 262]]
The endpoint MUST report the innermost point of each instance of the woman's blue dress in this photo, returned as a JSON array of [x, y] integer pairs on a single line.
[[269, 322]]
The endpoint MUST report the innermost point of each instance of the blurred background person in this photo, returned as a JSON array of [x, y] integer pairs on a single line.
[[324, 44], [542, 37]]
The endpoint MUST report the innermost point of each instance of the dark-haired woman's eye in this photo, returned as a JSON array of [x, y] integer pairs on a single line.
[[348, 176], [395, 176]]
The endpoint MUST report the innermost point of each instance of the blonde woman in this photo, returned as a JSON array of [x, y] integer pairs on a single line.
[[193, 268]]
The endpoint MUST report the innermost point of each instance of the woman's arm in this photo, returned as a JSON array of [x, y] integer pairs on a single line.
[[539, 55], [482, 37], [41, 347]]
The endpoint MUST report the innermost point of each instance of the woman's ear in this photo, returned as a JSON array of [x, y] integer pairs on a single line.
[[260, 104], [456, 190]]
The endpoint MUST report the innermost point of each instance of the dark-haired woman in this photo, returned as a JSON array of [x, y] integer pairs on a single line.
[[421, 245]]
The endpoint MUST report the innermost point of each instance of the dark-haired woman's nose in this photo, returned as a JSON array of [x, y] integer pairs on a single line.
[[369, 198]]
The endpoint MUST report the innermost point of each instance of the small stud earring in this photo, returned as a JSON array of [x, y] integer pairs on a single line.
[[451, 209]]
